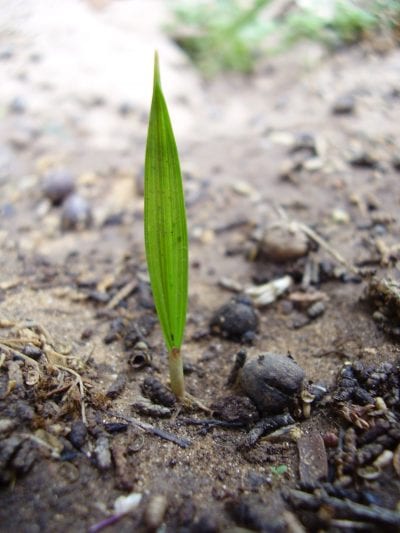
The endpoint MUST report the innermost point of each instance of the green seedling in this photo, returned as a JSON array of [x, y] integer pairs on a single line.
[[165, 231]]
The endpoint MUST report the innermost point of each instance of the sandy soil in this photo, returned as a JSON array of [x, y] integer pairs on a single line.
[[74, 95]]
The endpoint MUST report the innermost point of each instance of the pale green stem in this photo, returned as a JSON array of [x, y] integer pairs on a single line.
[[176, 372]]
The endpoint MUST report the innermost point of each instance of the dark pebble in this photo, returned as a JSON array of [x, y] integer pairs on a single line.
[[236, 320], [25, 457], [116, 427], [144, 295], [344, 105], [86, 334], [299, 321], [245, 515], [57, 185], [117, 387], [76, 213], [32, 351], [115, 332], [78, 434], [115, 219], [68, 455], [98, 296], [272, 381], [348, 277], [364, 160], [304, 141], [25, 411], [153, 389]]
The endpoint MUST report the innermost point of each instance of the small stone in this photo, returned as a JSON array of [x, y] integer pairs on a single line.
[[316, 310], [344, 105], [272, 381], [6, 426], [78, 434], [364, 159], [236, 319], [155, 511], [283, 241], [304, 141], [34, 352], [76, 213], [339, 216], [102, 453], [331, 440], [57, 185]]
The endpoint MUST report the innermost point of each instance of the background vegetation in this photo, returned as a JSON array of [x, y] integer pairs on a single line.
[[232, 34]]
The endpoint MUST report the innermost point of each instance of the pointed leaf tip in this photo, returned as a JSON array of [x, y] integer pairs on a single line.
[[157, 79]]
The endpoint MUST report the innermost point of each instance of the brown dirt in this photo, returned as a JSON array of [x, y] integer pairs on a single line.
[[238, 130]]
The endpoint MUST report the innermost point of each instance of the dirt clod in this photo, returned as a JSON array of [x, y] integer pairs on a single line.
[[236, 320], [78, 434], [272, 381]]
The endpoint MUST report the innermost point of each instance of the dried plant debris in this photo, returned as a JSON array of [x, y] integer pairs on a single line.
[[362, 492], [268, 293], [55, 374], [331, 508], [384, 296], [362, 384]]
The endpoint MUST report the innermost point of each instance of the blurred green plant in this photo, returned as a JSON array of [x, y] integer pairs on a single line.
[[221, 34], [232, 34]]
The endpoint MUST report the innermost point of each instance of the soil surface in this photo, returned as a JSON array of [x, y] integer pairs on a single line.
[[311, 137]]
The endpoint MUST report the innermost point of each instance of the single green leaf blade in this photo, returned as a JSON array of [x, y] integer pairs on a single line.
[[165, 227]]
